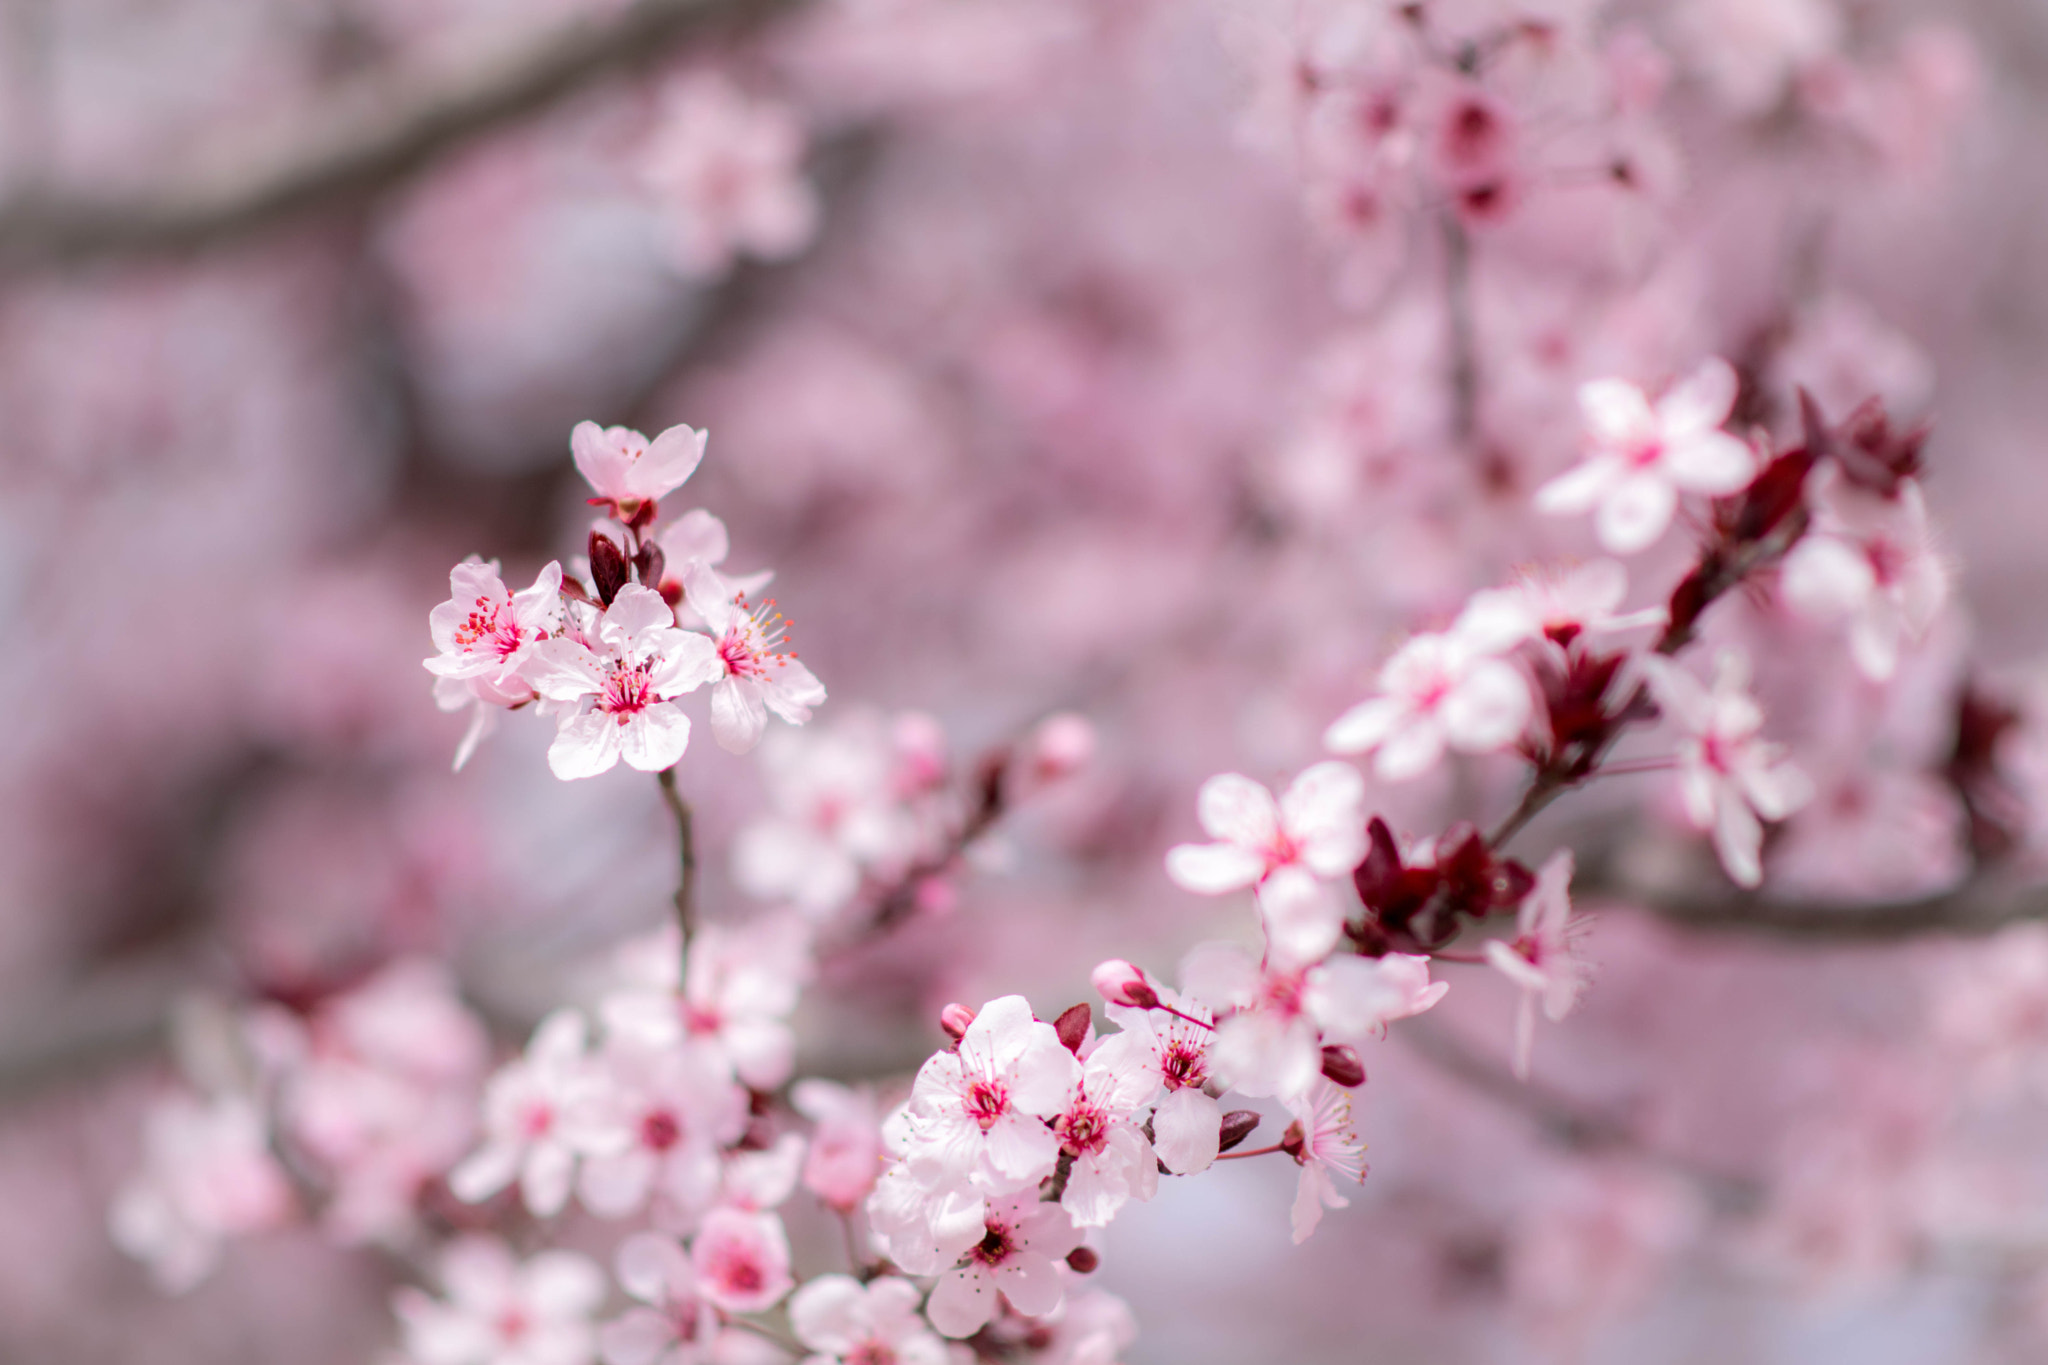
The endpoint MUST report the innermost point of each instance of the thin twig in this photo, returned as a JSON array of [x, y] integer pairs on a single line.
[[372, 145], [1464, 358], [686, 839]]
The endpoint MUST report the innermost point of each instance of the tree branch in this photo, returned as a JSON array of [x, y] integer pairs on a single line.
[[384, 137]]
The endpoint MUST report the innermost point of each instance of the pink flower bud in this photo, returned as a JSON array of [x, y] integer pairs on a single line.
[[1083, 1260], [955, 1020], [1123, 984], [1061, 746]]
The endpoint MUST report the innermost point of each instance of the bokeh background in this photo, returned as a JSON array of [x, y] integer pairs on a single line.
[[1054, 362]]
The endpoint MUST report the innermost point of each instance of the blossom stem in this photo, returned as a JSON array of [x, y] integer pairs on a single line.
[[762, 1329], [1470, 959], [686, 837], [1464, 355], [1256, 1151]]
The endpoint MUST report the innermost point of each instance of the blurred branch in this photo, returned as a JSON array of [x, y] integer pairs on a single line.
[[1979, 906], [391, 135]]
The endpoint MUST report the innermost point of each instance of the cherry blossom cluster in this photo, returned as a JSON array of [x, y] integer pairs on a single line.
[[609, 654]]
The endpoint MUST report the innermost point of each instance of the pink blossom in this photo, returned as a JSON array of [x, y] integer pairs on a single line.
[[627, 471], [208, 1175], [484, 632], [1328, 1153], [1316, 824], [759, 1179], [1098, 1131], [919, 1215], [1176, 1042], [499, 1311], [698, 535], [1353, 999], [846, 1144], [738, 990], [538, 1118], [1436, 691], [1557, 606], [835, 818], [1641, 456], [676, 1325], [662, 1117], [640, 665], [742, 1260], [1017, 1258], [977, 1111], [849, 1323], [754, 672], [1872, 561], [1542, 958], [1730, 776], [1266, 1042], [727, 171]]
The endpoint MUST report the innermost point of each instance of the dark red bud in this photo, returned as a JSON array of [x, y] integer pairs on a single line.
[[1293, 1141], [1083, 1260], [649, 563], [607, 566], [1342, 1066], [1238, 1125], [1072, 1027]]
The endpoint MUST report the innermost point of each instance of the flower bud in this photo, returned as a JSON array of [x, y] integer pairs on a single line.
[[1083, 1260], [1237, 1125], [607, 566], [1123, 984], [954, 1019], [1062, 745], [1342, 1067], [1072, 1027]]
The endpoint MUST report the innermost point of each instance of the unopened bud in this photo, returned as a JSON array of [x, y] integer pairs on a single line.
[[955, 1019], [1123, 984], [1072, 1027], [1061, 746], [1293, 1141], [1343, 1068], [1083, 1260], [607, 566], [1238, 1125], [650, 564]]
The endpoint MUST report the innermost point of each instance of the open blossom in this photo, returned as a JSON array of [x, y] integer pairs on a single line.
[[1329, 1153], [1099, 1130], [1315, 824], [1730, 775], [846, 1144], [836, 816], [1354, 998], [754, 673], [849, 1323], [538, 1115], [738, 990], [485, 632], [1557, 606], [1442, 690], [1175, 1043], [1017, 1258], [698, 535], [627, 471], [742, 1260], [1541, 958], [661, 1118], [208, 1176], [1872, 561], [499, 1311], [673, 1324], [977, 1112], [727, 170], [640, 664], [1640, 456]]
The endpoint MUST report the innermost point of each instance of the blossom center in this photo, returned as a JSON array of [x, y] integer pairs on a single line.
[[1184, 1065], [628, 690], [996, 1247], [987, 1101], [754, 642], [871, 1352], [660, 1130], [1083, 1130]]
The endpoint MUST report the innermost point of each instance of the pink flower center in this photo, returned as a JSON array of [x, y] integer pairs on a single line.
[[1184, 1065], [998, 1246], [486, 628], [986, 1102], [871, 1352], [660, 1130], [1083, 1130], [1646, 452], [513, 1324], [537, 1120], [628, 690], [738, 1273], [756, 641]]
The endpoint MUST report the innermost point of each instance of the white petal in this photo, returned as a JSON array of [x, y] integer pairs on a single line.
[[737, 714], [656, 738], [1187, 1127], [1237, 810], [585, 746], [1712, 462], [1212, 869], [1365, 726], [1701, 401], [1636, 512]]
